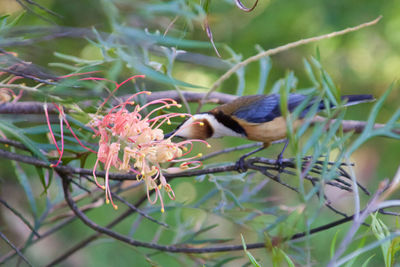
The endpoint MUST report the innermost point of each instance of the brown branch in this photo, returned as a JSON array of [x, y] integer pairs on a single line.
[[252, 164], [53, 230], [262, 165], [175, 248], [15, 248], [30, 10], [27, 107], [182, 248], [93, 237], [31, 107], [44, 8], [353, 125], [20, 216]]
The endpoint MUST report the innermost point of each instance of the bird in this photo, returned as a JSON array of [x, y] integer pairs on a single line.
[[255, 117]]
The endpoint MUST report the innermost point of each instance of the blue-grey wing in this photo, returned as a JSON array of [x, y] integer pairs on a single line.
[[267, 108]]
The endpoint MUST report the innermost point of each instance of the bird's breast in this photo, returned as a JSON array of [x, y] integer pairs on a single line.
[[268, 131]]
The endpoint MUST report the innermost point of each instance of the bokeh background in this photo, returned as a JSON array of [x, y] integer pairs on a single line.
[[363, 62]]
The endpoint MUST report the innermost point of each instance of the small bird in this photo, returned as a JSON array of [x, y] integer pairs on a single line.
[[254, 117]]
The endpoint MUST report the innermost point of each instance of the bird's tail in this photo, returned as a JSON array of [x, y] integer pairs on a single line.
[[356, 99], [349, 100]]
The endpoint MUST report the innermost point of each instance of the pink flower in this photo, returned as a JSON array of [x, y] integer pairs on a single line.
[[134, 143]]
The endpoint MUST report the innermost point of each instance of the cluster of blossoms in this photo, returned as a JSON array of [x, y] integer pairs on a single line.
[[132, 142]]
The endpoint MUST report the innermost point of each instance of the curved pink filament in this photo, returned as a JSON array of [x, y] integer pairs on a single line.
[[94, 174], [184, 159], [148, 194], [60, 117], [131, 78], [51, 132], [76, 137]]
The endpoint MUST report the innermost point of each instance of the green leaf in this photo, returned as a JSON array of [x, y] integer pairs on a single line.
[[365, 264], [145, 37], [10, 130], [310, 73], [40, 172], [202, 230], [74, 59], [368, 130], [265, 68], [24, 182], [7, 25], [241, 81], [251, 257], [381, 232], [40, 129], [333, 244], [318, 53], [159, 77], [287, 258]]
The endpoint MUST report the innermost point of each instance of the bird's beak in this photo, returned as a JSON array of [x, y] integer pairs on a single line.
[[168, 135]]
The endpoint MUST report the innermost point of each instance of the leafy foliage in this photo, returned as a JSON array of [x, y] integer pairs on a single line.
[[182, 46]]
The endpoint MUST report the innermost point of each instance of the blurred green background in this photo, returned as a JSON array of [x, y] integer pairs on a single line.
[[364, 62]]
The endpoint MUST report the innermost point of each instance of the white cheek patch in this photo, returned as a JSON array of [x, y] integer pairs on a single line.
[[185, 130], [219, 130]]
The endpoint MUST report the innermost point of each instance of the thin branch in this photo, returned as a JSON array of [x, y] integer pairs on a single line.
[[31, 107], [20, 87], [170, 25], [371, 207], [23, 5], [181, 248], [28, 76], [279, 49], [252, 163], [51, 231], [93, 237], [353, 125], [132, 207], [83, 217], [51, 12], [16, 144], [69, 213], [2, 236], [20, 216], [327, 203]]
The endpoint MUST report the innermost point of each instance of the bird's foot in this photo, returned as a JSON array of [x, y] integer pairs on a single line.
[[279, 159], [279, 163], [240, 165]]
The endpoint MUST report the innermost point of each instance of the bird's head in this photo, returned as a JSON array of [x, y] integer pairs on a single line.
[[196, 127]]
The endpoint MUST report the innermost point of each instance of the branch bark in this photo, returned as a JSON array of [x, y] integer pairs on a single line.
[[180, 248], [31, 107]]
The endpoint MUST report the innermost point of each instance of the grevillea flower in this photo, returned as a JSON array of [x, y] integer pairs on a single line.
[[133, 142]]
